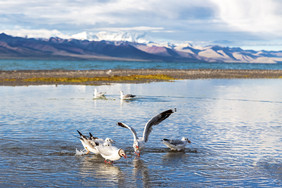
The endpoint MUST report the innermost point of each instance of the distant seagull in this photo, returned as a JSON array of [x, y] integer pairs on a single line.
[[98, 95], [109, 72], [90, 144], [139, 143], [176, 145], [127, 96], [111, 153]]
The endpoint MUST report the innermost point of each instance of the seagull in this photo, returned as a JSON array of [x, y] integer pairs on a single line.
[[91, 143], [139, 143], [109, 72], [176, 145], [98, 94], [100, 141], [127, 96], [88, 143], [111, 153]]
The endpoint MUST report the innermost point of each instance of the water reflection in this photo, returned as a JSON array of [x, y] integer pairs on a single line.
[[140, 172], [93, 165], [174, 158]]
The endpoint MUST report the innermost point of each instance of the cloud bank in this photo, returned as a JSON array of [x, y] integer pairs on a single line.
[[179, 20]]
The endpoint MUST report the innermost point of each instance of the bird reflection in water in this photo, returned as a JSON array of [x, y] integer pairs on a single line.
[[94, 166], [173, 158], [141, 172]]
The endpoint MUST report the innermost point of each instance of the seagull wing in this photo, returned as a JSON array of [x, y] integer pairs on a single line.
[[107, 150], [155, 121], [129, 96], [174, 142], [130, 128]]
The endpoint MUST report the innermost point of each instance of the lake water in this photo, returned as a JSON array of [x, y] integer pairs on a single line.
[[235, 127], [89, 65]]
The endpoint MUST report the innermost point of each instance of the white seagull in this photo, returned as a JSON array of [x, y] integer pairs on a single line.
[[97, 94], [176, 145], [100, 141], [139, 143], [111, 153], [90, 144], [127, 96]]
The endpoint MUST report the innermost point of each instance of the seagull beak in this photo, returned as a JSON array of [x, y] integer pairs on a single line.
[[124, 156], [137, 147], [189, 141]]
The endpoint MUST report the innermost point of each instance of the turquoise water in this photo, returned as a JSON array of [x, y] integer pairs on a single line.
[[235, 126], [89, 65]]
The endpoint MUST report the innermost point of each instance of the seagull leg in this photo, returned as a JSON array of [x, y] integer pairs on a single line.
[[87, 151], [138, 154], [108, 162]]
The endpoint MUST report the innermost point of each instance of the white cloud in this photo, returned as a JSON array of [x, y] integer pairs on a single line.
[[259, 16], [32, 33]]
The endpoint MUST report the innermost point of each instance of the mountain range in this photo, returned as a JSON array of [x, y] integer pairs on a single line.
[[57, 48]]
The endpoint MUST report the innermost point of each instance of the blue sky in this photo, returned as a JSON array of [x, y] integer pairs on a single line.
[[252, 24]]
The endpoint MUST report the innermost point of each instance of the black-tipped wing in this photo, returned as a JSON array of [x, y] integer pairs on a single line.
[[81, 135], [155, 121], [130, 128], [92, 137]]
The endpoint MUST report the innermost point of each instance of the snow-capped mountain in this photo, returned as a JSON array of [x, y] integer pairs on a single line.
[[125, 47]]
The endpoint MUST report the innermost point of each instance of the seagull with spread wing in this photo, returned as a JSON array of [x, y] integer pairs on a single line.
[[139, 143]]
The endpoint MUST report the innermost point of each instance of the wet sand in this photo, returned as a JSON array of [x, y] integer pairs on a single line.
[[99, 77]]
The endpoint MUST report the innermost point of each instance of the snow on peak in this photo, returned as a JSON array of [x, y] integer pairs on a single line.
[[122, 36], [84, 36]]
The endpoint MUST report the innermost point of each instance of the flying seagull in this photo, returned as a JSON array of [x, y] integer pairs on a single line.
[[139, 143]]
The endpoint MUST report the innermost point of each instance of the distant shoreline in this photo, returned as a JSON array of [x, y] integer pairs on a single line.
[[100, 77]]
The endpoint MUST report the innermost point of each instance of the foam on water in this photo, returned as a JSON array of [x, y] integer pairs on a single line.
[[80, 152]]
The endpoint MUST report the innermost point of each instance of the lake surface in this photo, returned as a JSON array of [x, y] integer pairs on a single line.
[[235, 127], [89, 65]]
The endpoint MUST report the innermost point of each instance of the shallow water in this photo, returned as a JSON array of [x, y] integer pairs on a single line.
[[235, 127]]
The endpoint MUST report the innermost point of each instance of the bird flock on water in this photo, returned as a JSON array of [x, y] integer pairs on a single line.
[[111, 153]]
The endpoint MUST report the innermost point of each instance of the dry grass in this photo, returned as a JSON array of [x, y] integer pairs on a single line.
[[137, 78]]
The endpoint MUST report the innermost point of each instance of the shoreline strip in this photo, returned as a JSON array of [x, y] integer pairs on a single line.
[[100, 77]]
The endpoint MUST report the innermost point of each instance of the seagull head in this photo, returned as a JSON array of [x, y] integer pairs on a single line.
[[109, 140], [186, 139], [136, 146], [122, 153]]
